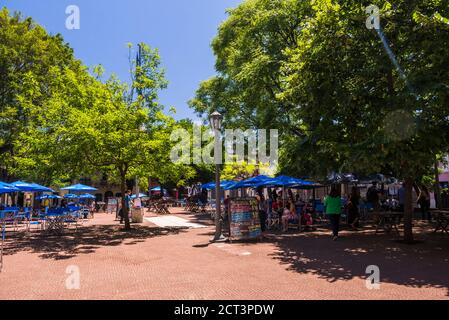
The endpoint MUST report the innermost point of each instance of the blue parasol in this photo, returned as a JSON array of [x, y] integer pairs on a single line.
[[28, 187], [284, 181], [7, 188], [71, 196], [223, 185], [80, 188], [48, 196], [251, 182], [87, 196]]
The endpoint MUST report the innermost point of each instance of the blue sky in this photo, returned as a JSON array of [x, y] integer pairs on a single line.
[[181, 29]]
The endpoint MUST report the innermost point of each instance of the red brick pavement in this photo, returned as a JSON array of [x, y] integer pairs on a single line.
[[155, 263]]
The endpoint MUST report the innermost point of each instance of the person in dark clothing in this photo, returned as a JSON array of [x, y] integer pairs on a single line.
[[353, 208], [274, 195], [424, 203], [372, 196], [128, 206]]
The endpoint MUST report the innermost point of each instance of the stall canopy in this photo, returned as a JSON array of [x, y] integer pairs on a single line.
[[7, 188], [80, 188]]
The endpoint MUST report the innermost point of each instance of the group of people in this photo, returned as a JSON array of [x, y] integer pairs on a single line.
[[289, 209]]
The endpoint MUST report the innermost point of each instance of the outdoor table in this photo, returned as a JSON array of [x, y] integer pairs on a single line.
[[54, 223], [389, 221], [442, 219]]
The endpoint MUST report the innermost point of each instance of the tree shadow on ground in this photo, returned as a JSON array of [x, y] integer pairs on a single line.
[[84, 241], [201, 218], [421, 265]]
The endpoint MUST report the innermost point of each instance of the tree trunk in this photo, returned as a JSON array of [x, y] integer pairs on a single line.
[[125, 210], [408, 211]]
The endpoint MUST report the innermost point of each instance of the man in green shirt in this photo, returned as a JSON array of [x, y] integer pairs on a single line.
[[333, 210]]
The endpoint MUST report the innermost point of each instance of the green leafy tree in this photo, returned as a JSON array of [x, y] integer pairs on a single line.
[[32, 65]]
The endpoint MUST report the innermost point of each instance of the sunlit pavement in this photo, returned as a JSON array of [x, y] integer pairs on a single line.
[[179, 263]]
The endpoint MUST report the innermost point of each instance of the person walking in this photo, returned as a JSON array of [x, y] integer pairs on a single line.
[[353, 208], [333, 210]]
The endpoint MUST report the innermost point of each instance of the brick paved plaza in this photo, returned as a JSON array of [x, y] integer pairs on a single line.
[[169, 263]]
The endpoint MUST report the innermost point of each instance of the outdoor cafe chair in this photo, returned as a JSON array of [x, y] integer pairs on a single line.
[[24, 217], [55, 220], [35, 221], [8, 217], [73, 218], [273, 220]]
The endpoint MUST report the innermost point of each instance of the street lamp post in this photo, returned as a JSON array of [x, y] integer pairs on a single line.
[[215, 122]]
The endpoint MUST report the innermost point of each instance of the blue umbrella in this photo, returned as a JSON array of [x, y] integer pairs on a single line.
[[251, 182], [158, 189], [225, 185], [42, 188], [26, 187], [284, 181], [80, 188], [207, 186], [87, 196], [7, 188], [230, 186], [42, 197], [70, 196], [48, 196]]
